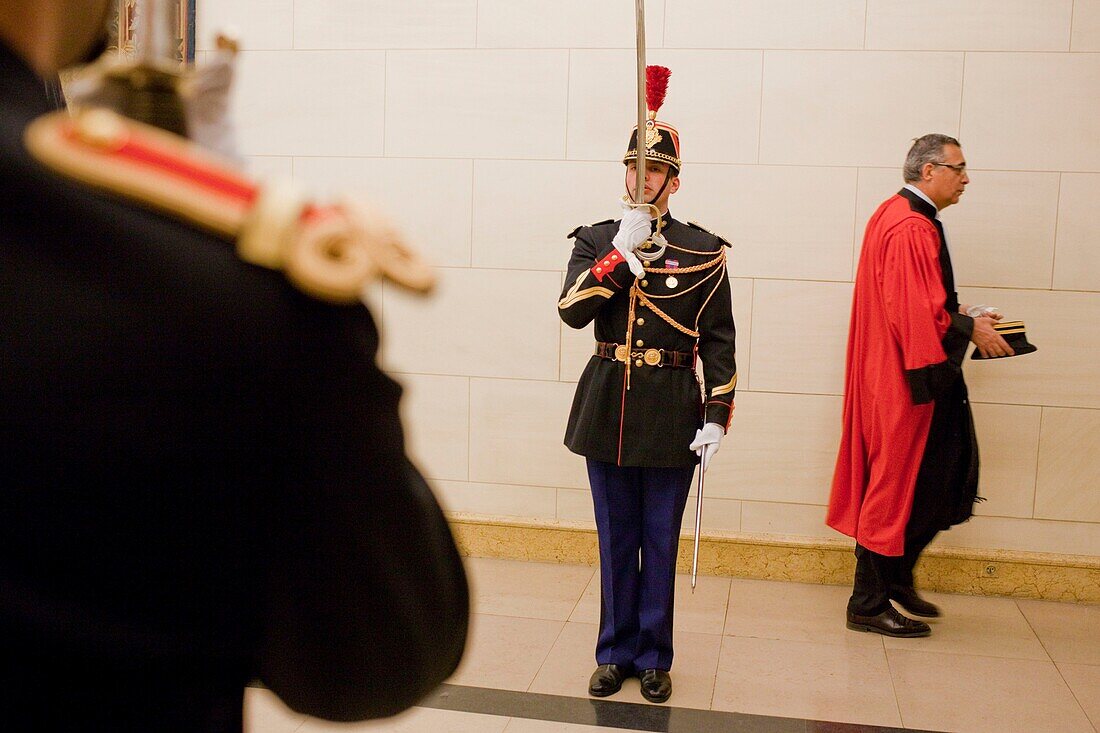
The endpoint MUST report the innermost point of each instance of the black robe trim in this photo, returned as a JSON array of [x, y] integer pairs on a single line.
[[947, 481]]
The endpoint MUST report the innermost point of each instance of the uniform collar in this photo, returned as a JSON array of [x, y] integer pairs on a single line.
[[666, 219], [919, 201]]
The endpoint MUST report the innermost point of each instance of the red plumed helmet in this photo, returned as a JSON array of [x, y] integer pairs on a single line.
[[662, 141], [656, 86]]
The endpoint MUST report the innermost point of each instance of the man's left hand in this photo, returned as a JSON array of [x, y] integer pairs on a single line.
[[706, 442]]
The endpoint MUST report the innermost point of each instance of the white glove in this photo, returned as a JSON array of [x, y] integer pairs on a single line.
[[977, 311], [706, 442], [633, 230]]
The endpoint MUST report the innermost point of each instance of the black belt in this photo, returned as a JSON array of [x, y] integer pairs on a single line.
[[647, 357]]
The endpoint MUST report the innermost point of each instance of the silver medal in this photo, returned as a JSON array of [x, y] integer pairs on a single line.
[[671, 282]]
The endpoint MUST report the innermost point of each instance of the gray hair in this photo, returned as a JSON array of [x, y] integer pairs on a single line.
[[926, 149]]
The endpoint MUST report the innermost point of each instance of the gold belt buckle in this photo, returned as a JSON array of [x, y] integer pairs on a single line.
[[652, 357], [622, 352]]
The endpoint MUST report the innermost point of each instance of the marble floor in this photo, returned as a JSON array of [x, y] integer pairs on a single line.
[[752, 656]]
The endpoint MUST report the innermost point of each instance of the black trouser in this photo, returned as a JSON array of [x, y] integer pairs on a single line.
[[947, 472], [876, 574]]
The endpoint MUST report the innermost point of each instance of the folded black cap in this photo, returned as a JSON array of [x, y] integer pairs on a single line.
[[1014, 333]]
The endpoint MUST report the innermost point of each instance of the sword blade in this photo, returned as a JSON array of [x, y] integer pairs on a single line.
[[698, 525], [639, 170]]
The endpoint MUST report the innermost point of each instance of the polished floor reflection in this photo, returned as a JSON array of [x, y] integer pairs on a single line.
[[752, 657]]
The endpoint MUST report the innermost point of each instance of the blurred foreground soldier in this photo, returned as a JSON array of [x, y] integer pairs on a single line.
[[638, 415], [203, 477], [908, 463]]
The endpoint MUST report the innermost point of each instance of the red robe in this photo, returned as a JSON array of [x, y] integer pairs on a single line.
[[895, 358]]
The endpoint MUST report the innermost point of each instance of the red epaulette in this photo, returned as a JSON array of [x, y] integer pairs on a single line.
[[330, 252]]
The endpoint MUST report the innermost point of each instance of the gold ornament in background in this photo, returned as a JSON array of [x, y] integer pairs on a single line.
[[126, 33]]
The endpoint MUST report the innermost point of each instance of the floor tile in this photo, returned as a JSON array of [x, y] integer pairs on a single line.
[[587, 610], [992, 627], [527, 589], [416, 720], [1084, 683], [799, 679], [763, 648], [504, 652], [264, 712], [972, 694], [571, 661], [704, 611], [701, 612], [1070, 632], [768, 609]]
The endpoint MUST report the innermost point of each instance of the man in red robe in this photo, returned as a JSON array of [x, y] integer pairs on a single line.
[[908, 461]]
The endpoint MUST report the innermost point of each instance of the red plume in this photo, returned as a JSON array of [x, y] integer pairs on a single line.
[[656, 85]]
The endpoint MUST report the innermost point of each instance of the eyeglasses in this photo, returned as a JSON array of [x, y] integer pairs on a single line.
[[960, 169]]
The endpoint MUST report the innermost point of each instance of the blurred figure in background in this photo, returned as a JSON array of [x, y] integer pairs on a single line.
[[204, 477]]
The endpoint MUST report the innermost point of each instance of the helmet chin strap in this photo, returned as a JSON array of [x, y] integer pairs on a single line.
[[659, 193]]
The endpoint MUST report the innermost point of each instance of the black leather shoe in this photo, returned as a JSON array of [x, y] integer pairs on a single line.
[[606, 680], [913, 603], [656, 685], [889, 623]]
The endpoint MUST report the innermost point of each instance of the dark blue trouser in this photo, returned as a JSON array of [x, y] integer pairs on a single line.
[[638, 516]]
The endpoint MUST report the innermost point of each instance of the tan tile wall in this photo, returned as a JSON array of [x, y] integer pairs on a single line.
[[488, 129]]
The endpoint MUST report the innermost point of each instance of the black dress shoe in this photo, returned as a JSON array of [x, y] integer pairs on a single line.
[[913, 603], [656, 685], [889, 623], [606, 680]]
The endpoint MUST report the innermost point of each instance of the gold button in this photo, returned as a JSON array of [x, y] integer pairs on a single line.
[[599, 269], [638, 362], [641, 343], [614, 257], [645, 283], [640, 321]]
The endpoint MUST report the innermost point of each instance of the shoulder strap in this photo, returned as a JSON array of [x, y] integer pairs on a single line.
[[700, 227], [328, 252], [573, 233]]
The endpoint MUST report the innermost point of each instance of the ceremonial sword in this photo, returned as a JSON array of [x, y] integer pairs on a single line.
[[648, 251], [639, 170], [698, 522], [639, 199]]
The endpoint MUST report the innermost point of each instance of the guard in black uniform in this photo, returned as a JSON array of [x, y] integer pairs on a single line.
[[203, 477], [639, 415]]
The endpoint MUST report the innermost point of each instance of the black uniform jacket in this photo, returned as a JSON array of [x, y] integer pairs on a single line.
[[653, 422], [203, 474]]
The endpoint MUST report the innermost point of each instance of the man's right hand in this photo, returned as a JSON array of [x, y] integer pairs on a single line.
[[990, 343], [634, 229]]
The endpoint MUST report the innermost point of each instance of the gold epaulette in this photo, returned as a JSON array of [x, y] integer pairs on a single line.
[[330, 252]]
